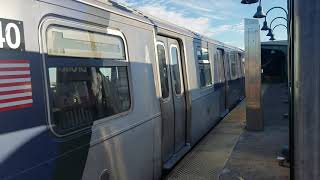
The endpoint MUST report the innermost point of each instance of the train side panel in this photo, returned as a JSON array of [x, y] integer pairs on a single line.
[[120, 148]]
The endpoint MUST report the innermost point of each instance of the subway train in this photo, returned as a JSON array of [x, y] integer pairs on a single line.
[[95, 90]]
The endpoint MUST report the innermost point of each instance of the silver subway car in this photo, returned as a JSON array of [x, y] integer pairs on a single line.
[[93, 90]]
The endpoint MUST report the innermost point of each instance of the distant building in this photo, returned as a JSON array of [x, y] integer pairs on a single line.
[[274, 61]]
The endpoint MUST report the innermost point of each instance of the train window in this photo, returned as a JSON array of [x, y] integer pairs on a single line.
[[216, 68], [204, 54], [233, 66], [81, 95], [241, 65], [199, 54], [87, 89], [176, 72], [63, 41], [204, 68], [163, 71], [219, 54], [243, 69]]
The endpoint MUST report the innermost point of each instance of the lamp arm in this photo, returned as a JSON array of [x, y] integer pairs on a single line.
[[277, 7], [278, 26], [276, 19]]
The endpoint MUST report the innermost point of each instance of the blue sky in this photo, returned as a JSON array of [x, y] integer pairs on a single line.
[[219, 19]]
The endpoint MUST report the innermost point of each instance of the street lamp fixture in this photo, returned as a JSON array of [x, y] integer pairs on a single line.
[[270, 33], [265, 26], [259, 14], [249, 1], [272, 38], [265, 23]]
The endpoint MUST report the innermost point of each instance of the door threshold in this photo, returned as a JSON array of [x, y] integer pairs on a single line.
[[176, 157]]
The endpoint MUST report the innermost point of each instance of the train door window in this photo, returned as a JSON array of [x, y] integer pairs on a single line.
[[220, 65], [240, 65], [233, 66], [204, 67], [88, 78], [163, 70], [216, 72], [176, 70], [243, 70]]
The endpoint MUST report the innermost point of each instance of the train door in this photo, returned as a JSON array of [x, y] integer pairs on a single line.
[[173, 102], [222, 79]]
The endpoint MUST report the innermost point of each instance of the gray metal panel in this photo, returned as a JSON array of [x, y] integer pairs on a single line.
[[253, 74], [205, 114], [144, 97], [128, 156], [305, 47], [143, 90]]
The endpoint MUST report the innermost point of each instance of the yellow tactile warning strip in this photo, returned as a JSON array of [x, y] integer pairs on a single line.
[[207, 160]]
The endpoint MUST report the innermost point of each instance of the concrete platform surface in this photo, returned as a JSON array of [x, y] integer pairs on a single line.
[[229, 152], [208, 158]]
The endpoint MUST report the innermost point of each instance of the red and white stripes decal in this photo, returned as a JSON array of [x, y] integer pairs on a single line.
[[15, 85]]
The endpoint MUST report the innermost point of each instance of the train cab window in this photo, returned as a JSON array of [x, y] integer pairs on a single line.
[[204, 67], [176, 71], [91, 87], [163, 71]]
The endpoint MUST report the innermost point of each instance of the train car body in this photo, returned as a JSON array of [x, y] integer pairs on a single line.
[[91, 89]]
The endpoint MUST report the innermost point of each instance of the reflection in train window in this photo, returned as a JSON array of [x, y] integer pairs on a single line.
[[163, 71], [176, 72], [81, 95]]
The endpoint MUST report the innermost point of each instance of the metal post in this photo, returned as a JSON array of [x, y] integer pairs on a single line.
[[253, 75]]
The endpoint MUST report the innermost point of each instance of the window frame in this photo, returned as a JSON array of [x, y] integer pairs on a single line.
[[179, 61], [158, 42], [44, 26]]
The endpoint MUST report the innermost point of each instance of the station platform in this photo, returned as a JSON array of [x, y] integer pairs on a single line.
[[229, 152]]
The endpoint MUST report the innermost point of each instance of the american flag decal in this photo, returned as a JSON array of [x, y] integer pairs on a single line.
[[15, 85]]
